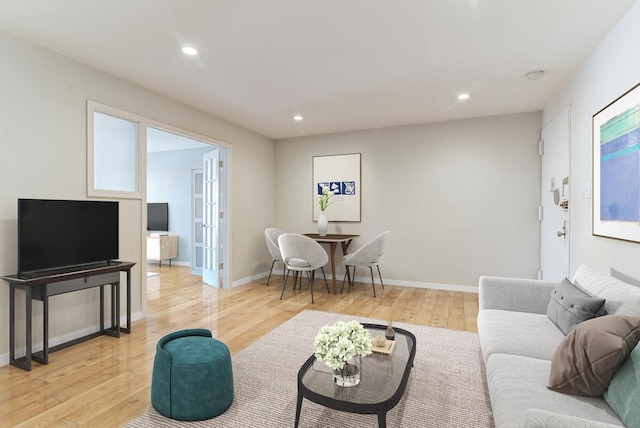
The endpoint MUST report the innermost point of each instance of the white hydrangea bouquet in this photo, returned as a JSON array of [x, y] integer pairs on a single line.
[[336, 344]]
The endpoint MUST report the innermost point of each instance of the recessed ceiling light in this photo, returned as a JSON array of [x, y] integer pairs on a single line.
[[297, 117], [188, 50], [463, 97], [534, 75]]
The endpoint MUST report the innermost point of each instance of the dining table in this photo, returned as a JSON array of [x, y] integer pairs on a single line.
[[333, 239]]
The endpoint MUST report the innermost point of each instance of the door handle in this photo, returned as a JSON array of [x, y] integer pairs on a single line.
[[562, 232]]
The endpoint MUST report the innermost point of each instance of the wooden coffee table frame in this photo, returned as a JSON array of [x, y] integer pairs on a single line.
[[381, 409]]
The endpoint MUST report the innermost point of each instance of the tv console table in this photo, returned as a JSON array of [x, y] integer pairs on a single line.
[[42, 286]]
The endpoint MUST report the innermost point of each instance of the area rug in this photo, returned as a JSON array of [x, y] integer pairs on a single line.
[[447, 386]]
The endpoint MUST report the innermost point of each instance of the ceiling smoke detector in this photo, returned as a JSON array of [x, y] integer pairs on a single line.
[[534, 75]]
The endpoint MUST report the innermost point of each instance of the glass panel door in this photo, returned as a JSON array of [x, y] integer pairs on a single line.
[[197, 210], [210, 226]]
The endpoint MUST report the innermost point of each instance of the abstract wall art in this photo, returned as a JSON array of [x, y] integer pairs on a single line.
[[341, 175], [616, 168]]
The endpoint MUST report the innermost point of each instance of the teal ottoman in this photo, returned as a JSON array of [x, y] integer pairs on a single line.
[[192, 376]]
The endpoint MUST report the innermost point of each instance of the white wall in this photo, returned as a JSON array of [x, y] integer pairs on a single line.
[[610, 71], [460, 198], [169, 180], [43, 106]]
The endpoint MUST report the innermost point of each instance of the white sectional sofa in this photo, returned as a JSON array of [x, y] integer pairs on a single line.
[[518, 341]]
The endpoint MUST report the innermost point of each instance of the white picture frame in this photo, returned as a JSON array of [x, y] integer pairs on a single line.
[[342, 174]]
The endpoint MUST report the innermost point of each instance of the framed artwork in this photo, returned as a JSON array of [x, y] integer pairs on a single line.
[[340, 174], [616, 168]]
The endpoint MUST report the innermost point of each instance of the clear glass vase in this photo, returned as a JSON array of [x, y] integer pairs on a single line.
[[349, 375]]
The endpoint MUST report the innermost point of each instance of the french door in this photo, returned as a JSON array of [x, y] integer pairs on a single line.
[[211, 219], [197, 231]]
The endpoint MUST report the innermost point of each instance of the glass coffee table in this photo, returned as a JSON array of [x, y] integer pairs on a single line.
[[383, 379]]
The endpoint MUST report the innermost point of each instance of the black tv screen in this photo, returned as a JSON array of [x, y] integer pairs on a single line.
[[158, 216], [58, 233]]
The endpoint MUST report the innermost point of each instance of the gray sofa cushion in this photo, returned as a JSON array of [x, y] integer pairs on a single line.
[[621, 298], [518, 383], [536, 418], [569, 306], [517, 333]]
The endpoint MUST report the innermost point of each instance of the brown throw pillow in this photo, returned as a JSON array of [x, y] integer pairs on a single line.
[[586, 360]]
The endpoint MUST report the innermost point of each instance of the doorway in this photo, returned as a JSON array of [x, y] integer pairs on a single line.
[[555, 195], [172, 157]]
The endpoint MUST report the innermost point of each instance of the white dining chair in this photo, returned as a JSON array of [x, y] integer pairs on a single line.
[[368, 256], [271, 236], [302, 254]]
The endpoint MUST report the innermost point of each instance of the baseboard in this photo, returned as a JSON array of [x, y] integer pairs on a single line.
[[246, 280], [54, 341], [367, 279], [166, 263], [432, 285]]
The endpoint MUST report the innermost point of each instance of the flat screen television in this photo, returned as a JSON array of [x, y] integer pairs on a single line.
[[60, 233], [158, 216]]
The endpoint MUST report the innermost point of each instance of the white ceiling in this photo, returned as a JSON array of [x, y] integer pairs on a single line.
[[342, 64]]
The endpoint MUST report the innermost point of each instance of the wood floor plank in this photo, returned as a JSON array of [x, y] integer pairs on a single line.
[[381, 312], [87, 403], [427, 307], [471, 309], [412, 297], [22, 409], [441, 310], [456, 311], [106, 381]]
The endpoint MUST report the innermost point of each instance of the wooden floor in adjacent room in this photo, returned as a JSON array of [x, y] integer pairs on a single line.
[[106, 381]]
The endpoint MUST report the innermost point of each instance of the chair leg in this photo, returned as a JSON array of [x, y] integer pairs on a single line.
[[373, 285], [297, 280], [284, 284], [345, 278], [381, 283], [272, 263], [310, 284], [325, 279]]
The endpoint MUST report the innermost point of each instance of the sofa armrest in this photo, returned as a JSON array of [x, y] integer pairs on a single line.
[[537, 418], [515, 294]]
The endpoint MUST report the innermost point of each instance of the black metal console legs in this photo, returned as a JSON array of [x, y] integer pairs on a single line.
[[42, 288]]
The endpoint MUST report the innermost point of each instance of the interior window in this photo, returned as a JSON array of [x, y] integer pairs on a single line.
[[113, 165]]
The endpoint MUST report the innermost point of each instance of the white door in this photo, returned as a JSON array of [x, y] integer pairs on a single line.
[[556, 164], [223, 196], [197, 231], [210, 224]]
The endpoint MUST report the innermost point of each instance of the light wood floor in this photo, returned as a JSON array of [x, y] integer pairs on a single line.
[[106, 381]]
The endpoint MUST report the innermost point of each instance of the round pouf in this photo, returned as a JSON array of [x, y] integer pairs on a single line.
[[192, 376]]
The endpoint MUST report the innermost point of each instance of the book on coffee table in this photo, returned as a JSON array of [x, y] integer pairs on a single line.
[[385, 349]]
